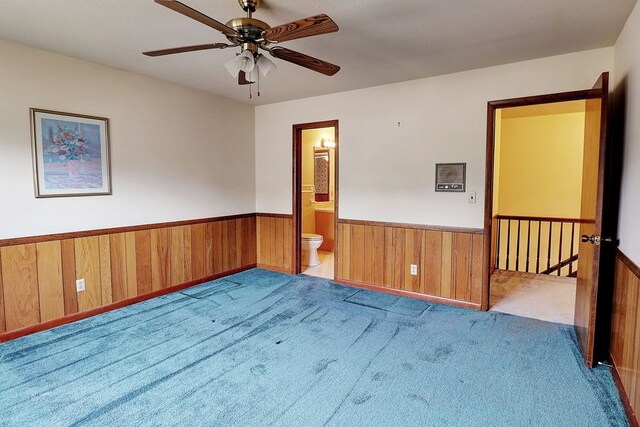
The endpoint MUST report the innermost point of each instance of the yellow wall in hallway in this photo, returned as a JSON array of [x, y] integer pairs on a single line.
[[540, 160]]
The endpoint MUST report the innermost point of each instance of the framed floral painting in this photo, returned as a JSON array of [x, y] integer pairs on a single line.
[[70, 154]]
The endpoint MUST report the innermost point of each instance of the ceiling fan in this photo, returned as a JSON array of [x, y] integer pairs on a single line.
[[252, 35]]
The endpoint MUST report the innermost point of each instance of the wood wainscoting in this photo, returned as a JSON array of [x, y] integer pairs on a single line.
[[378, 255], [625, 334], [120, 266], [275, 241]]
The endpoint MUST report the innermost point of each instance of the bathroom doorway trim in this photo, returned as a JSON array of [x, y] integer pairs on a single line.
[[296, 233]]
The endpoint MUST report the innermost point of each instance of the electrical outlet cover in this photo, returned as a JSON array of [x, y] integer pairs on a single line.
[[80, 285]]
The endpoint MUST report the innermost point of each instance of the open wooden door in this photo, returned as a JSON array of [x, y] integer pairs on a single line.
[[593, 173]]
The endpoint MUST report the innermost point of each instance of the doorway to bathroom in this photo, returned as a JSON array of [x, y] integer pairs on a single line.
[[315, 197]]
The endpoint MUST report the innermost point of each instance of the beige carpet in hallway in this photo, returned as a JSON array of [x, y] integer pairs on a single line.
[[538, 296]]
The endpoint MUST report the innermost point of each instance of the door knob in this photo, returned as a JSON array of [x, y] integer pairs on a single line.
[[596, 240]]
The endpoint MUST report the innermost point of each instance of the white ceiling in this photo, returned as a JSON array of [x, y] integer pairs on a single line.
[[379, 42]]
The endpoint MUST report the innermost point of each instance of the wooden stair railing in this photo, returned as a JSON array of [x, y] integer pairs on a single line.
[[558, 266], [536, 247]]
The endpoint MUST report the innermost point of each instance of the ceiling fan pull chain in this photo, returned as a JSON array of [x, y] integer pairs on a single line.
[[258, 83], [250, 96]]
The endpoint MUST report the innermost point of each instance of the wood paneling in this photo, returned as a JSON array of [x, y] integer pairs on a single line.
[[278, 250], [130, 263], [357, 253], [118, 251], [432, 263], [198, 235], [288, 249], [38, 280], [450, 263], [105, 270], [477, 266], [187, 254], [217, 246], [49, 260], [3, 326], [208, 250], [177, 256], [413, 255], [88, 268], [143, 262], [462, 266], [20, 286], [625, 333], [274, 242], [224, 234], [160, 261], [68, 248], [447, 265]]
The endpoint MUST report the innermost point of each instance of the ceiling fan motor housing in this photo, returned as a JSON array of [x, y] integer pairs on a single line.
[[249, 28]]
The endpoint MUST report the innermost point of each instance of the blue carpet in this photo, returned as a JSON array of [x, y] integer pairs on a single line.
[[262, 348]]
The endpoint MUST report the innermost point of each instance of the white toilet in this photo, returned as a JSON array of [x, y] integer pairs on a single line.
[[310, 245]]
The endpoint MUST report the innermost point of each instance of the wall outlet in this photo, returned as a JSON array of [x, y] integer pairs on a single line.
[[80, 285], [414, 270], [472, 197]]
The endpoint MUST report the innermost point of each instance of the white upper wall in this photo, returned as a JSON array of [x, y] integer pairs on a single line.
[[387, 170], [176, 153], [627, 69]]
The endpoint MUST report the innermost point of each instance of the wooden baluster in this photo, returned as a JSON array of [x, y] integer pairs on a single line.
[[508, 241], [573, 228], [498, 245], [538, 248], [518, 249], [560, 249], [549, 246], [528, 242]]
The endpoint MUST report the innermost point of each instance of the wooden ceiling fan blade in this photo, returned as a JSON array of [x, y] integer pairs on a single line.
[[182, 49], [198, 16], [242, 79], [306, 61], [311, 26]]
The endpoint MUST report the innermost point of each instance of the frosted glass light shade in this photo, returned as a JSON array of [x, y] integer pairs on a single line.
[[252, 76], [243, 62], [265, 64]]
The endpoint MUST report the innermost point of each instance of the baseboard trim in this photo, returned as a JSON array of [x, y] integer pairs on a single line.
[[274, 268], [403, 293], [8, 336], [626, 403]]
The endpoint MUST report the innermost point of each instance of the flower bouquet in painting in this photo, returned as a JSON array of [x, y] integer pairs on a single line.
[[68, 147], [71, 154]]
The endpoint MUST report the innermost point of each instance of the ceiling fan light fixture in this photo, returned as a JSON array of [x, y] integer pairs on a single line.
[[252, 76], [243, 62], [265, 65]]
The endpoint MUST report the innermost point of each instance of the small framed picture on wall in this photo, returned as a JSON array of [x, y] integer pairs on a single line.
[[70, 154]]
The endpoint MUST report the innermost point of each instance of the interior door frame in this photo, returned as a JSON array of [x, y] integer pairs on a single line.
[[296, 234], [492, 106]]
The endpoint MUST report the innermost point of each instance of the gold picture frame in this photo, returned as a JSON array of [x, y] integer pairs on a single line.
[[71, 155]]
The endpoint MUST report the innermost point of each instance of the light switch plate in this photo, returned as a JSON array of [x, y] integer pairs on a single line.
[[472, 197]]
